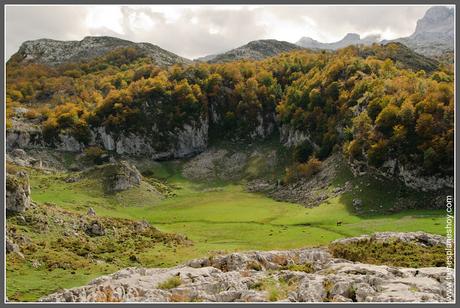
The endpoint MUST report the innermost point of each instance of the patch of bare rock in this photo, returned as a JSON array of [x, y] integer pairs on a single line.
[[224, 164], [300, 275]]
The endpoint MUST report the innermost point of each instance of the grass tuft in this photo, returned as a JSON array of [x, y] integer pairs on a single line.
[[392, 253], [170, 283]]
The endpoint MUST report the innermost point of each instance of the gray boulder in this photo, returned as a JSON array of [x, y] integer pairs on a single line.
[[95, 228], [122, 176], [91, 212], [17, 192], [12, 247]]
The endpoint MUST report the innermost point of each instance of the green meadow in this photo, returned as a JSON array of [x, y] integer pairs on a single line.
[[223, 216], [217, 217]]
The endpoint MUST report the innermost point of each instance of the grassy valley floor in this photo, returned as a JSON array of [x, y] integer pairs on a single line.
[[217, 217]]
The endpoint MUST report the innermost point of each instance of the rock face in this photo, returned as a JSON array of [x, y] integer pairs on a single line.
[[229, 164], [410, 175], [21, 158], [255, 50], [183, 142], [301, 275], [17, 192], [290, 137], [53, 52], [24, 135], [434, 33]]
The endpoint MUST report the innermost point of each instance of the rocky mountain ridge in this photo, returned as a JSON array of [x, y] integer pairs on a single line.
[[54, 52], [254, 50]]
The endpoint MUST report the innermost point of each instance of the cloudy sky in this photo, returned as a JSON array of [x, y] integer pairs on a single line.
[[194, 31]]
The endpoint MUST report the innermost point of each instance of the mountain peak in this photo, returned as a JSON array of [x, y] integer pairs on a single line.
[[436, 19], [55, 52], [439, 12], [434, 34], [307, 39], [351, 37]]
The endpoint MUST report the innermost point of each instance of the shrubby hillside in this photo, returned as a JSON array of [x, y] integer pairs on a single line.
[[375, 103]]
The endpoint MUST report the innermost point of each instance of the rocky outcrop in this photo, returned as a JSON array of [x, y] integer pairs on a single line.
[[24, 135], [309, 192], [215, 164], [411, 175], [301, 275], [227, 164], [121, 176], [291, 137], [421, 238], [17, 192], [27, 135], [12, 247], [95, 228], [20, 157], [183, 142], [265, 127], [412, 178], [53, 52], [191, 140]]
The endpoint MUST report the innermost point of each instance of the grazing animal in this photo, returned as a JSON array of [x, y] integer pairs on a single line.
[[339, 223]]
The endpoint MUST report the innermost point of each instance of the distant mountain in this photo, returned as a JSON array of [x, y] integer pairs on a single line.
[[53, 52], [349, 39], [255, 50], [434, 34]]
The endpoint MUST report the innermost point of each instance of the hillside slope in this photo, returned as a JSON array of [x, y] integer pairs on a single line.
[[255, 50]]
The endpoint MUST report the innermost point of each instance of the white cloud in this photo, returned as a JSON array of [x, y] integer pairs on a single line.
[[109, 17], [193, 31]]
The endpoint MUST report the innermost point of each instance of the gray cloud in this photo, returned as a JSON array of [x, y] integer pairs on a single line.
[[193, 31], [34, 22]]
